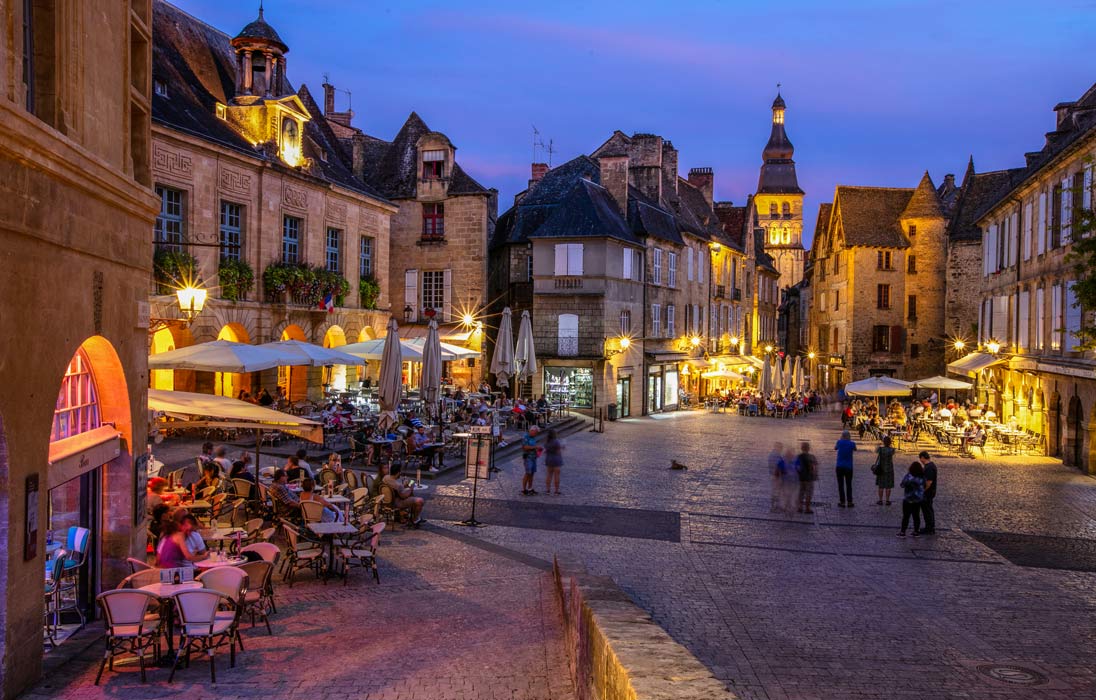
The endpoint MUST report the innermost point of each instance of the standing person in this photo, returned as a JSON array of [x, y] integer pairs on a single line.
[[789, 481], [884, 471], [529, 451], [927, 507], [776, 473], [913, 484], [553, 460], [844, 448], [807, 467]]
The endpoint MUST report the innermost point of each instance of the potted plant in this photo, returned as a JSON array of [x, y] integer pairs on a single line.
[[172, 269], [369, 290], [236, 278]]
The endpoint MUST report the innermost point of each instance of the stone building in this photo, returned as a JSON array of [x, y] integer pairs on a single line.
[[1029, 363], [75, 240], [259, 203], [616, 256], [438, 250], [879, 284], [778, 204]]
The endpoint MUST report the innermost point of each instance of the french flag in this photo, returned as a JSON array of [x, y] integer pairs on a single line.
[[328, 303]]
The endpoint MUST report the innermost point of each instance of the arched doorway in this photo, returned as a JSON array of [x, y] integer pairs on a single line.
[[1054, 418], [172, 337], [334, 376], [89, 485], [1073, 449], [294, 380], [228, 383]]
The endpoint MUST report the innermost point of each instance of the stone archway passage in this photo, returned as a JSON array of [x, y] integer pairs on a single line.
[[228, 383], [294, 380], [1073, 449], [334, 377]]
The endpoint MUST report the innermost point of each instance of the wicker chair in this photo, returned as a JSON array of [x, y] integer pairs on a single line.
[[204, 626], [361, 551], [300, 555], [259, 597], [132, 627]]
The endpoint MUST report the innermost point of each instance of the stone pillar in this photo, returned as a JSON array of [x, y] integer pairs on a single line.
[[269, 72], [239, 73], [248, 73]]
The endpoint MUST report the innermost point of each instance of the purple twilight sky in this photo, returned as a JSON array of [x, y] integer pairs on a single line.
[[878, 91]]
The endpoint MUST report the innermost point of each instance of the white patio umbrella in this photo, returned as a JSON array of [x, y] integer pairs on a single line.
[[878, 386], [525, 354], [797, 375], [449, 352], [430, 382], [312, 355], [502, 361], [220, 356], [764, 379], [391, 379], [374, 349], [939, 382], [722, 374]]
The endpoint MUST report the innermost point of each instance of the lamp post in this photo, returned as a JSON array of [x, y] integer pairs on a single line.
[[811, 365], [191, 300]]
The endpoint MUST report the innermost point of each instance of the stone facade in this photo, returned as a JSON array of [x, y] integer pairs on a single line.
[[964, 264], [1042, 378], [76, 213], [879, 284]]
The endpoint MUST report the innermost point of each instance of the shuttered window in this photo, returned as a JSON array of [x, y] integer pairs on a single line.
[[1041, 226], [1072, 318], [411, 291], [568, 259], [1040, 319], [1024, 320], [1025, 239]]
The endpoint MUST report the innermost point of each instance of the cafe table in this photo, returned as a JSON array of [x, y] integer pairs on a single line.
[[164, 591], [337, 500], [217, 559], [221, 534], [328, 532]]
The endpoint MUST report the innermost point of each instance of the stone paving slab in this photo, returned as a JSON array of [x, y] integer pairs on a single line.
[[830, 605], [448, 621]]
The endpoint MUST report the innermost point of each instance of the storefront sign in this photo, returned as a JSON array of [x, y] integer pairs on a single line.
[[73, 456], [30, 532], [836, 361]]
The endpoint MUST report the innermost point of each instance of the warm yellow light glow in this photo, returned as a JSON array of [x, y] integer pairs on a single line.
[[468, 319], [993, 346], [811, 355], [778, 116], [734, 340], [695, 341], [685, 370], [768, 348], [191, 299], [291, 154], [716, 247], [625, 343], [959, 345]]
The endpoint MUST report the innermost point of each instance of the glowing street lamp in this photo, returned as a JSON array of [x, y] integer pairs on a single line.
[[993, 346], [191, 301]]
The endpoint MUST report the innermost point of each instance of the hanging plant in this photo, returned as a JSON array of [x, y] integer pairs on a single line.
[[236, 278], [369, 290], [172, 269]]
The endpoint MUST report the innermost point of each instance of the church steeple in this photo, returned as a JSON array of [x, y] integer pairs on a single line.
[[260, 60], [778, 169]]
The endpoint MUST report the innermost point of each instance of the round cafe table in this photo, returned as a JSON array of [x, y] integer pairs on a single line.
[[164, 591], [214, 561]]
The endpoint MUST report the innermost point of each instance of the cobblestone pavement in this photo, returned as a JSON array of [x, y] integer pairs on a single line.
[[449, 621], [830, 605]]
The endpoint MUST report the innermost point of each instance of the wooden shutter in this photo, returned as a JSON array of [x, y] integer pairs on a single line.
[[411, 291], [897, 336], [1041, 229], [574, 259], [561, 259], [1025, 240], [991, 250], [447, 308], [1013, 235]]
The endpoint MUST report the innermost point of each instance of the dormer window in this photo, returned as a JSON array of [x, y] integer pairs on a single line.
[[159, 87], [433, 165]]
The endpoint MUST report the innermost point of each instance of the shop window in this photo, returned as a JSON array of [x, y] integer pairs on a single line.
[[571, 386]]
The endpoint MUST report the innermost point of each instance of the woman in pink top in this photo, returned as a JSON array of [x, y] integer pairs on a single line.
[[173, 551]]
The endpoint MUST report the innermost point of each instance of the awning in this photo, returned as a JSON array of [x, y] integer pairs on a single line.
[[221, 411], [657, 357], [698, 363], [72, 456], [973, 363], [723, 374]]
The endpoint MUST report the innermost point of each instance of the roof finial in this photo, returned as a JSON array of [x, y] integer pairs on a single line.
[[260, 9], [778, 88]]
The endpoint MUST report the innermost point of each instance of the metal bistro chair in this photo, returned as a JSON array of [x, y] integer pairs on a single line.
[[259, 597], [271, 555], [361, 551], [203, 626], [132, 627], [231, 582], [53, 597]]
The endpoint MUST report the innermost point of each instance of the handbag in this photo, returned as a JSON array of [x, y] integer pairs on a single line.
[[875, 467]]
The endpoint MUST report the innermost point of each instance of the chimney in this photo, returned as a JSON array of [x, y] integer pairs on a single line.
[[328, 98], [703, 180], [614, 178], [539, 171], [949, 181], [669, 166]]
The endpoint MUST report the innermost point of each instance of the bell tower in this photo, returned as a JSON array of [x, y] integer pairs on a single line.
[[260, 61], [778, 203]]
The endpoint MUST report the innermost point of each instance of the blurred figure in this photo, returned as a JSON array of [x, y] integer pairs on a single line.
[[807, 468], [789, 481], [913, 484], [884, 471], [776, 473]]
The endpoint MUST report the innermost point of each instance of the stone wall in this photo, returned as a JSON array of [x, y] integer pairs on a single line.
[[964, 271], [617, 652]]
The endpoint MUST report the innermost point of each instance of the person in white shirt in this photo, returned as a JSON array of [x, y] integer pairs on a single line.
[[301, 454]]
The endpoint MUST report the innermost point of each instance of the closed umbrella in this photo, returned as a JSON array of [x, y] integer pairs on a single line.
[[312, 355], [391, 380], [220, 356], [764, 380], [525, 354], [430, 383], [797, 375], [502, 361]]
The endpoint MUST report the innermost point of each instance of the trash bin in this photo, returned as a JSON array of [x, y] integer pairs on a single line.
[[612, 411]]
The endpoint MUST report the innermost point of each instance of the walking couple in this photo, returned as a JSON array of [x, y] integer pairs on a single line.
[[793, 478], [919, 487]]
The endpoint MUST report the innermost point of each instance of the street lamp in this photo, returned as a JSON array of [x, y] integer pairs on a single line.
[[622, 343], [191, 300], [993, 346], [695, 341], [959, 345], [768, 349]]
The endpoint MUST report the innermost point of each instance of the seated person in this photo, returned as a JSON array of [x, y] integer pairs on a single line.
[[240, 470], [220, 457], [402, 497], [207, 452], [158, 495], [294, 470], [376, 482], [302, 460], [284, 500], [156, 521], [330, 514], [420, 444], [173, 550], [194, 540], [265, 399], [209, 478]]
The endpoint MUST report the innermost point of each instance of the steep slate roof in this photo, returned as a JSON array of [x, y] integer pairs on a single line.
[[869, 215], [392, 167], [259, 29], [1081, 124], [924, 203], [978, 193], [822, 223], [733, 221], [198, 65]]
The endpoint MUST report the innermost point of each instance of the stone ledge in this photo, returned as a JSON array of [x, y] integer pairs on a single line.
[[616, 651]]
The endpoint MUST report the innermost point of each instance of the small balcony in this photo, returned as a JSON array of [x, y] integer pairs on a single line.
[[568, 282]]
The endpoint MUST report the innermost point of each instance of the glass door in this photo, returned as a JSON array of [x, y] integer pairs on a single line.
[[624, 397]]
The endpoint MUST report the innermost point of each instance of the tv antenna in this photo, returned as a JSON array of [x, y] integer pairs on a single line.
[[349, 96], [545, 148]]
